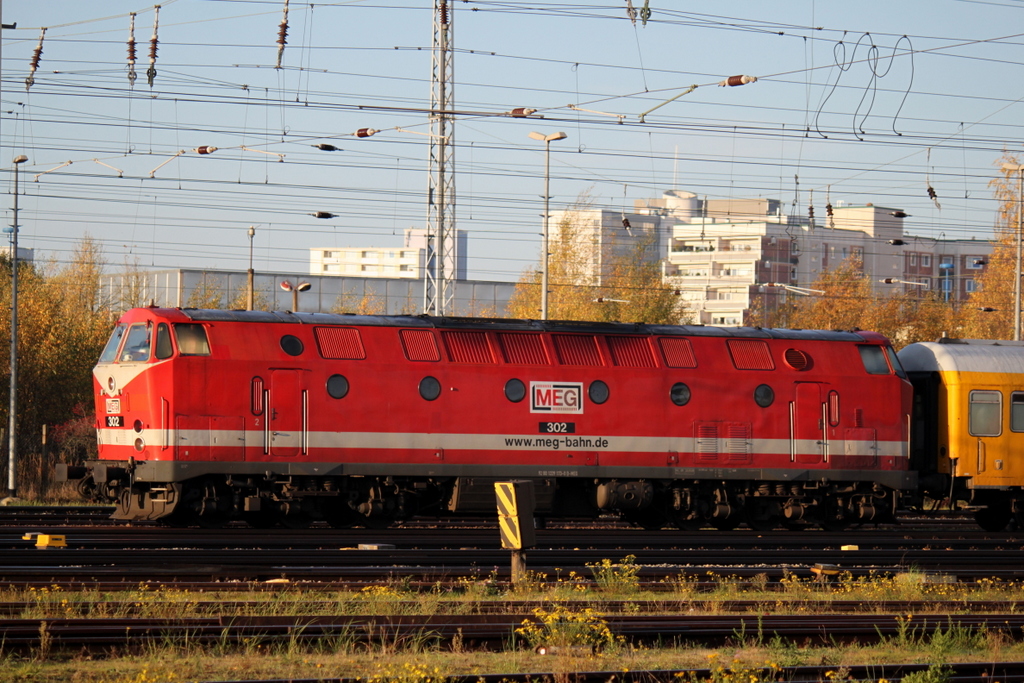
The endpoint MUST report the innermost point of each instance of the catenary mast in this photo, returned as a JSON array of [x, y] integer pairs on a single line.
[[439, 276]]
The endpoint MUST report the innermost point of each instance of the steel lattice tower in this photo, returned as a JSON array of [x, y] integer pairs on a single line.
[[439, 282]]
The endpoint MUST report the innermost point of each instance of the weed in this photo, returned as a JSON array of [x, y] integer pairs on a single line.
[[617, 578], [936, 673], [563, 628], [733, 672]]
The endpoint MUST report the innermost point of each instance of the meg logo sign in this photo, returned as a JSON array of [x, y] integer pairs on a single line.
[[556, 397]]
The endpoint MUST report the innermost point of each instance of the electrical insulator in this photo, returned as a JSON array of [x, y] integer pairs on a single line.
[[738, 80], [326, 147], [521, 112], [625, 223], [322, 214], [366, 132], [828, 209], [206, 149], [931, 193], [810, 212]]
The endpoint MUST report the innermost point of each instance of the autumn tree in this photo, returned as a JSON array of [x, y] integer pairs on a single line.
[[626, 287], [988, 313], [208, 293], [846, 301], [130, 286], [62, 326], [260, 300]]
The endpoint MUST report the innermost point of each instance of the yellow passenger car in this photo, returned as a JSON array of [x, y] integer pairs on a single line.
[[967, 439]]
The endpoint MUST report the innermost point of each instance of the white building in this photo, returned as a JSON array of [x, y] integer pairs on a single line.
[[724, 253], [604, 237], [407, 261], [23, 253]]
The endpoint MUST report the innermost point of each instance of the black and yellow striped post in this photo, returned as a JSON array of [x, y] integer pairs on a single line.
[[515, 521]]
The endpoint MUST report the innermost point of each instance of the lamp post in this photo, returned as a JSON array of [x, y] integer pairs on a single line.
[[300, 287], [1019, 168], [250, 297], [12, 437], [547, 139]]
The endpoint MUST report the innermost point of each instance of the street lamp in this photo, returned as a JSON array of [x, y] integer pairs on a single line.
[[300, 287], [1019, 168], [547, 139], [250, 297], [12, 437]]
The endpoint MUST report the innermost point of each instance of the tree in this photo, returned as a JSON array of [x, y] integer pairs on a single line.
[[133, 287], [62, 327], [628, 287], [848, 302], [989, 310], [260, 300], [206, 294]]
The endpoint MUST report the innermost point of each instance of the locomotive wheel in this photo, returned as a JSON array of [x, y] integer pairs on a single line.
[[763, 523], [993, 518], [648, 520], [297, 521], [260, 520], [341, 517], [832, 524], [691, 524], [727, 523]]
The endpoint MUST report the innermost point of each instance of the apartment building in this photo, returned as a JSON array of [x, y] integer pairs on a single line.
[[725, 253], [407, 261]]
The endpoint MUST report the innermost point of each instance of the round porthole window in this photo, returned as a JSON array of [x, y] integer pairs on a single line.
[[430, 388], [515, 390], [291, 345], [598, 392], [680, 394], [337, 386], [764, 396]]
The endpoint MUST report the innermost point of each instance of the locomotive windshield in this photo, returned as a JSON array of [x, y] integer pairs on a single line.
[[136, 346], [109, 354], [873, 358]]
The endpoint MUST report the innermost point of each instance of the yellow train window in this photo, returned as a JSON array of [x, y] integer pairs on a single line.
[[985, 418], [1017, 411]]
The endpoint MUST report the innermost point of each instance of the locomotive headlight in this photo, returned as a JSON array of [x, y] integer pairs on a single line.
[[137, 426], [111, 384], [140, 445]]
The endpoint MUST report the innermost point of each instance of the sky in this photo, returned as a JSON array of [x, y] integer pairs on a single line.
[[856, 102]]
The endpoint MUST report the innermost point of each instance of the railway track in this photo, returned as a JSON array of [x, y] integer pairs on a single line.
[[710, 630], [99, 515], [129, 554], [1004, 672]]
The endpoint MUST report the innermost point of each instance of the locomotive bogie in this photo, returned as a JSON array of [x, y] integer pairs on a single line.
[[207, 416]]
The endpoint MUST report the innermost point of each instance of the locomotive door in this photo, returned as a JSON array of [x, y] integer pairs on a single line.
[[286, 413], [808, 424]]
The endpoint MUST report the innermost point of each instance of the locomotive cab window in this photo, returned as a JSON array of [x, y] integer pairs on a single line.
[[109, 354], [1017, 411], [192, 339], [137, 345], [894, 361], [873, 358], [985, 415], [163, 342]]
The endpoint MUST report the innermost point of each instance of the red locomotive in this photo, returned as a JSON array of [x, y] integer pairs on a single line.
[[205, 416]]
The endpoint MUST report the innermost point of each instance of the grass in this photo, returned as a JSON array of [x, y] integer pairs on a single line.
[[571, 618]]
